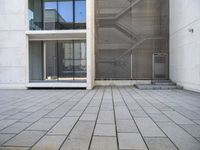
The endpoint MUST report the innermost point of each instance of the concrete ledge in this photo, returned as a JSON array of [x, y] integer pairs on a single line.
[[56, 85], [190, 87], [12, 86], [56, 34], [120, 82]]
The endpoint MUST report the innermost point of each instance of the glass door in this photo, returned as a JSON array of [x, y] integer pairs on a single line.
[[65, 60], [50, 60]]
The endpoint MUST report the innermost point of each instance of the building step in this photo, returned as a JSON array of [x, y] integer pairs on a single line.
[[158, 85]]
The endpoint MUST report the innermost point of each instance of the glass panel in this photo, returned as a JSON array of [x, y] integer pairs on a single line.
[[35, 61], [80, 14], [35, 14], [51, 60], [80, 69], [65, 14], [80, 59], [65, 49], [50, 14]]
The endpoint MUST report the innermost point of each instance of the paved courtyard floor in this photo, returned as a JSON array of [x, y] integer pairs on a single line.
[[106, 118]]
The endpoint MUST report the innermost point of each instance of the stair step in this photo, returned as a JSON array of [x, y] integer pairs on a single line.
[[156, 87]]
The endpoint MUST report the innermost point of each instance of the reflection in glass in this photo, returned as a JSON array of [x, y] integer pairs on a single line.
[[65, 14], [51, 60], [35, 14], [80, 14], [50, 14]]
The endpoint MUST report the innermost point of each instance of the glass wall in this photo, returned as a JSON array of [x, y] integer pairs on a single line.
[[128, 33], [57, 14], [57, 60]]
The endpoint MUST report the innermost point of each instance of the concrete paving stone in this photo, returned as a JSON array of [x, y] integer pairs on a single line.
[[18, 116], [25, 138], [14, 148], [3, 117], [193, 129], [159, 118], [49, 143], [6, 123], [197, 121], [103, 143], [122, 113], [107, 107], [61, 110], [151, 110], [35, 116], [88, 117], [131, 141], [106, 117], [105, 130], [126, 126], [177, 118], [64, 126], [15, 128], [160, 144], [188, 113], [79, 138], [5, 137], [148, 128], [74, 113], [32, 109], [138, 113], [91, 110], [180, 138], [44, 124]]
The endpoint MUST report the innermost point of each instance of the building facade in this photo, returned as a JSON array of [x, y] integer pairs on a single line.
[[83, 43]]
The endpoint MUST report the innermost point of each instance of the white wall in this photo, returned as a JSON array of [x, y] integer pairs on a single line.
[[12, 43], [184, 45]]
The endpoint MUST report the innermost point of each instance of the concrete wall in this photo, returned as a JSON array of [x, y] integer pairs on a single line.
[[184, 45], [12, 43]]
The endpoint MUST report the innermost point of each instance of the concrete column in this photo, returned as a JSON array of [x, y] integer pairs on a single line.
[[90, 37]]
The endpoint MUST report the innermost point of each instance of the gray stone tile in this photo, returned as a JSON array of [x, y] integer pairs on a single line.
[[138, 113], [73, 113], [106, 117], [103, 143], [105, 130], [193, 129], [14, 148], [49, 143], [64, 126], [5, 137], [91, 110], [19, 116], [160, 144], [126, 126], [148, 128], [151, 110], [159, 118], [25, 138], [131, 141], [88, 117], [15, 128], [122, 113], [80, 136], [180, 138], [6, 123], [178, 118], [43, 124], [35, 116]]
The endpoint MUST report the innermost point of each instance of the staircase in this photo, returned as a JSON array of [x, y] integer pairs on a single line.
[[158, 85]]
